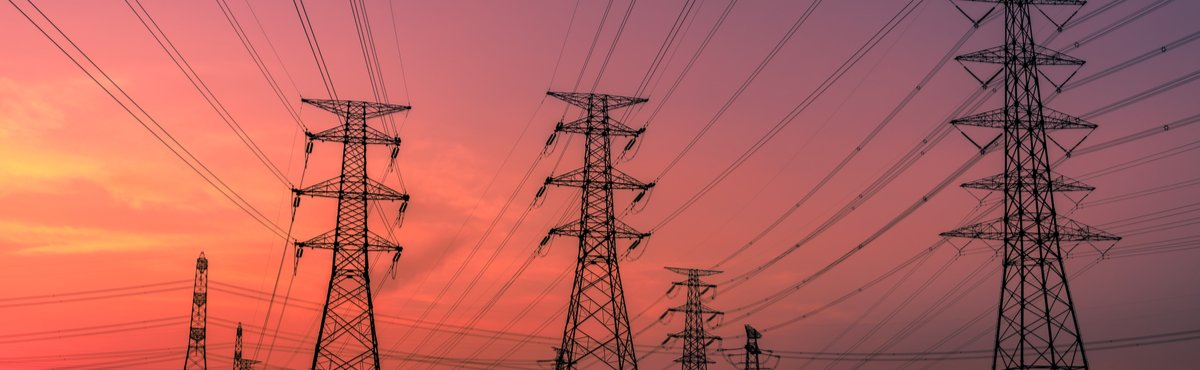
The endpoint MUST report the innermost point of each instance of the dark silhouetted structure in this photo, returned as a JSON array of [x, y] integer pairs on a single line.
[[696, 338], [1037, 327], [347, 338], [597, 333], [196, 357], [240, 363], [750, 356]]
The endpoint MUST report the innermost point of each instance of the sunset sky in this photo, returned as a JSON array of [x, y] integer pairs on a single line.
[[93, 203]]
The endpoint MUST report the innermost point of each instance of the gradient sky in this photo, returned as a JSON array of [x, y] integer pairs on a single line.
[[92, 201]]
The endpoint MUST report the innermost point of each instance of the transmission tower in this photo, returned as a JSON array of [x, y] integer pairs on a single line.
[[696, 315], [347, 337], [750, 356], [240, 363], [196, 357], [597, 332], [1037, 326]]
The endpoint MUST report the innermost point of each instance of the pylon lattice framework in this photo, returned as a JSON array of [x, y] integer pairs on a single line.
[[597, 332], [696, 316], [240, 363], [347, 337], [196, 357], [1037, 327], [750, 356]]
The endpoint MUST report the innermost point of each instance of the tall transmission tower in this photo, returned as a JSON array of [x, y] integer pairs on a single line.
[[750, 356], [696, 338], [240, 363], [347, 337], [597, 332], [1037, 327], [196, 357]]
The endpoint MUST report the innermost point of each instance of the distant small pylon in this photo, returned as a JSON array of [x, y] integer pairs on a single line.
[[240, 363], [750, 356], [196, 358], [696, 338]]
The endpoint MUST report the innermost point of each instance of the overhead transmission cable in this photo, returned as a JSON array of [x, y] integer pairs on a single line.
[[135, 110]]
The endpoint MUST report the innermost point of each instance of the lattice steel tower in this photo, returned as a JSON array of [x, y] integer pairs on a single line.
[[347, 337], [196, 357], [240, 363], [597, 332], [1037, 327], [750, 356], [695, 336]]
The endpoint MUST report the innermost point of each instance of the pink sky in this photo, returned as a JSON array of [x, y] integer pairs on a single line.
[[92, 201]]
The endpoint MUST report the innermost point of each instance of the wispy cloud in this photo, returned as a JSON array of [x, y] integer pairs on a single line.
[[30, 238]]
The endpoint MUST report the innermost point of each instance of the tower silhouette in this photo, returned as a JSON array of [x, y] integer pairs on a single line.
[[347, 337], [750, 356], [695, 336], [196, 357], [240, 363], [1037, 327], [597, 332]]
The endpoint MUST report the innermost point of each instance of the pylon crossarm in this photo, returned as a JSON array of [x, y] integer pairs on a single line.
[[605, 101], [374, 243], [1055, 120], [1040, 55], [611, 127], [1051, 120], [1074, 231], [1036, 2], [338, 134], [350, 107], [620, 181], [620, 230], [331, 189], [1059, 183], [689, 271], [1068, 231]]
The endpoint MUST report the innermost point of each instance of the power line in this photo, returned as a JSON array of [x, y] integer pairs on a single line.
[[1107, 144], [95, 291], [135, 110], [201, 87], [787, 36], [930, 140], [314, 46]]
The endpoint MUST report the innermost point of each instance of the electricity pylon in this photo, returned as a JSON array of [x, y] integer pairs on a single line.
[[1037, 327], [240, 363], [347, 337], [196, 357], [750, 356], [696, 338], [597, 332]]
